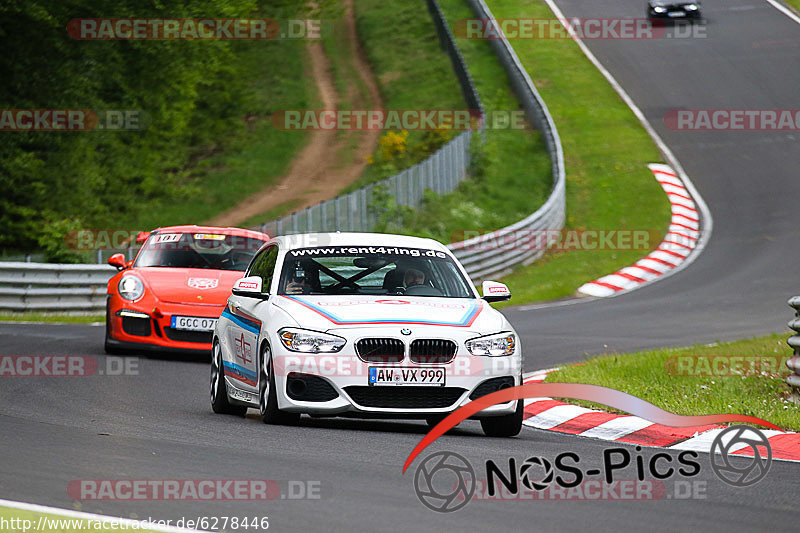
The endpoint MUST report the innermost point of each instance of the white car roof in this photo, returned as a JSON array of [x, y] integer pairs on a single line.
[[314, 240]]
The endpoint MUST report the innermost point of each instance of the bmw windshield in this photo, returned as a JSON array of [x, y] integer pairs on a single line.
[[198, 250], [372, 270]]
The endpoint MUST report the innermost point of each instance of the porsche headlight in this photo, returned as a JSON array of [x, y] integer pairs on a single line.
[[301, 340], [130, 287], [660, 9], [691, 7], [494, 345]]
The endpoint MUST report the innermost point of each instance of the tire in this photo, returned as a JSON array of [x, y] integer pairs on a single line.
[[107, 346], [504, 426], [220, 403], [268, 395]]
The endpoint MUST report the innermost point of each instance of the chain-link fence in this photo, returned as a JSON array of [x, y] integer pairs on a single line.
[[440, 173]]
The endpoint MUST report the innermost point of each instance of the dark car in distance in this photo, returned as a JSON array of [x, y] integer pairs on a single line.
[[673, 9]]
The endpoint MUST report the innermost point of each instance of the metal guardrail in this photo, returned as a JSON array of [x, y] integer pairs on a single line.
[[794, 342], [450, 47], [481, 256], [53, 287]]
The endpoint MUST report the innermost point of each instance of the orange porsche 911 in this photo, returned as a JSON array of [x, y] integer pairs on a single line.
[[171, 295]]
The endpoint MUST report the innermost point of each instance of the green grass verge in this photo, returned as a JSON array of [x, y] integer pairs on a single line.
[[795, 4], [16, 520], [683, 385], [258, 154], [51, 317], [606, 152], [411, 70]]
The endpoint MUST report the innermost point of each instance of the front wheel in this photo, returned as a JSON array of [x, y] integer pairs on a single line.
[[268, 395], [219, 391], [504, 426]]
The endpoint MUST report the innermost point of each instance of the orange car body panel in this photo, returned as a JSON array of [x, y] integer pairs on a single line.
[[168, 292]]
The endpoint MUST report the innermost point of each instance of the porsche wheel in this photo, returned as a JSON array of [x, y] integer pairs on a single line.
[[219, 392], [268, 396], [504, 426]]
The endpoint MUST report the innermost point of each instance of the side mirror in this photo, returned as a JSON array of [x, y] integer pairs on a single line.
[[117, 261], [249, 287], [495, 292]]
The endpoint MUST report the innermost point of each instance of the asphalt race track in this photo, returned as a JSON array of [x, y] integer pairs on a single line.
[[158, 424]]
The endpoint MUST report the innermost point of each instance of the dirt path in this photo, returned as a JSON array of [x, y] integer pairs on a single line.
[[316, 173]]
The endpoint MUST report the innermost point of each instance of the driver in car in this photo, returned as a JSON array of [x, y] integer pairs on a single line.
[[413, 277], [298, 283]]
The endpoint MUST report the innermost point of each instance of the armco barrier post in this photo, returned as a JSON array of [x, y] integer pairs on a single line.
[[794, 363]]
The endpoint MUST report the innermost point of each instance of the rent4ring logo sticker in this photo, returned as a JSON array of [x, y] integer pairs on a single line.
[[446, 482]]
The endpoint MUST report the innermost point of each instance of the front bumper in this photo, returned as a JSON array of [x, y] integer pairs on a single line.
[[339, 385], [153, 330]]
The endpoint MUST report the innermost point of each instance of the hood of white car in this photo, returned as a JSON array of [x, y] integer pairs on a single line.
[[337, 312]]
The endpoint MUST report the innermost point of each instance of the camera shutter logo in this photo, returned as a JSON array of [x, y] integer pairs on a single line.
[[743, 471], [444, 482], [525, 473]]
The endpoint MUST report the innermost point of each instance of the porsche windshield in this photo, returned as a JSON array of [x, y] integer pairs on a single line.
[[198, 250], [374, 270]]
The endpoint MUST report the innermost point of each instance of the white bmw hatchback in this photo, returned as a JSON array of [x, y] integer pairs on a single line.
[[363, 325]]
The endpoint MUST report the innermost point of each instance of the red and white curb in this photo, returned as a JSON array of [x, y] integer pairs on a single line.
[[678, 244], [553, 415]]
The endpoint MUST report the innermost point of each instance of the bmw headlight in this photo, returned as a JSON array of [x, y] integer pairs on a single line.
[[660, 9], [301, 340], [691, 7], [493, 345], [130, 287]]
